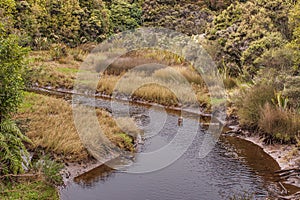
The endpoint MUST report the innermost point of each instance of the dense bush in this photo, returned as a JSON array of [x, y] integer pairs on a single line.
[[12, 65], [50, 170], [245, 31], [125, 15], [95, 22], [292, 91], [294, 45], [190, 17], [72, 22], [11, 82]]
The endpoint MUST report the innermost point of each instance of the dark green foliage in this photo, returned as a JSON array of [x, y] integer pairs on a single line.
[[95, 24], [245, 31], [125, 15], [7, 10], [280, 58], [12, 149], [12, 64], [56, 21], [294, 45], [217, 4], [190, 17], [292, 91], [72, 22], [50, 169], [11, 84]]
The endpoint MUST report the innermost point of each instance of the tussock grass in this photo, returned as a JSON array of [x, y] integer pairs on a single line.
[[121, 131], [156, 93], [48, 72], [160, 56], [124, 64], [250, 102], [280, 124], [158, 86], [107, 84], [49, 123], [191, 75]]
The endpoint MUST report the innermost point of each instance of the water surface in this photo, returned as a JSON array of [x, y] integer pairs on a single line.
[[234, 166]]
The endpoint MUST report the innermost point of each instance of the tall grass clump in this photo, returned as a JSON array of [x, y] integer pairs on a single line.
[[49, 123], [279, 124], [250, 102]]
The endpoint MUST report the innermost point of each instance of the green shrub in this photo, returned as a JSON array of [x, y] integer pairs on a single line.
[[125, 15], [12, 64], [50, 169], [12, 149], [278, 58], [95, 22], [28, 190], [245, 31], [251, 101], [294, 45]]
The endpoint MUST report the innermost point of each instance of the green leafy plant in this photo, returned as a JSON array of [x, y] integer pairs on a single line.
[[12, 150], [50, 169], [280, 101], [12, 64], [124, 15]]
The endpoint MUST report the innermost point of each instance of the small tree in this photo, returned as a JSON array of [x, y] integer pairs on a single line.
[[11, 83], [11, 69]]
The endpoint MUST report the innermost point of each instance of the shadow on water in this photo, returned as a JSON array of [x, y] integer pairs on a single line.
[[259, 162], [101, 173]]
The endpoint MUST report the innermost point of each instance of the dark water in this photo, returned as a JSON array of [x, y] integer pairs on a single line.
[[233, 167]]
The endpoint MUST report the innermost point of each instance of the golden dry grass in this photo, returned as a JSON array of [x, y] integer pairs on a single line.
[[49, 123], [159, 86], [62, 74], [282, 125]]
